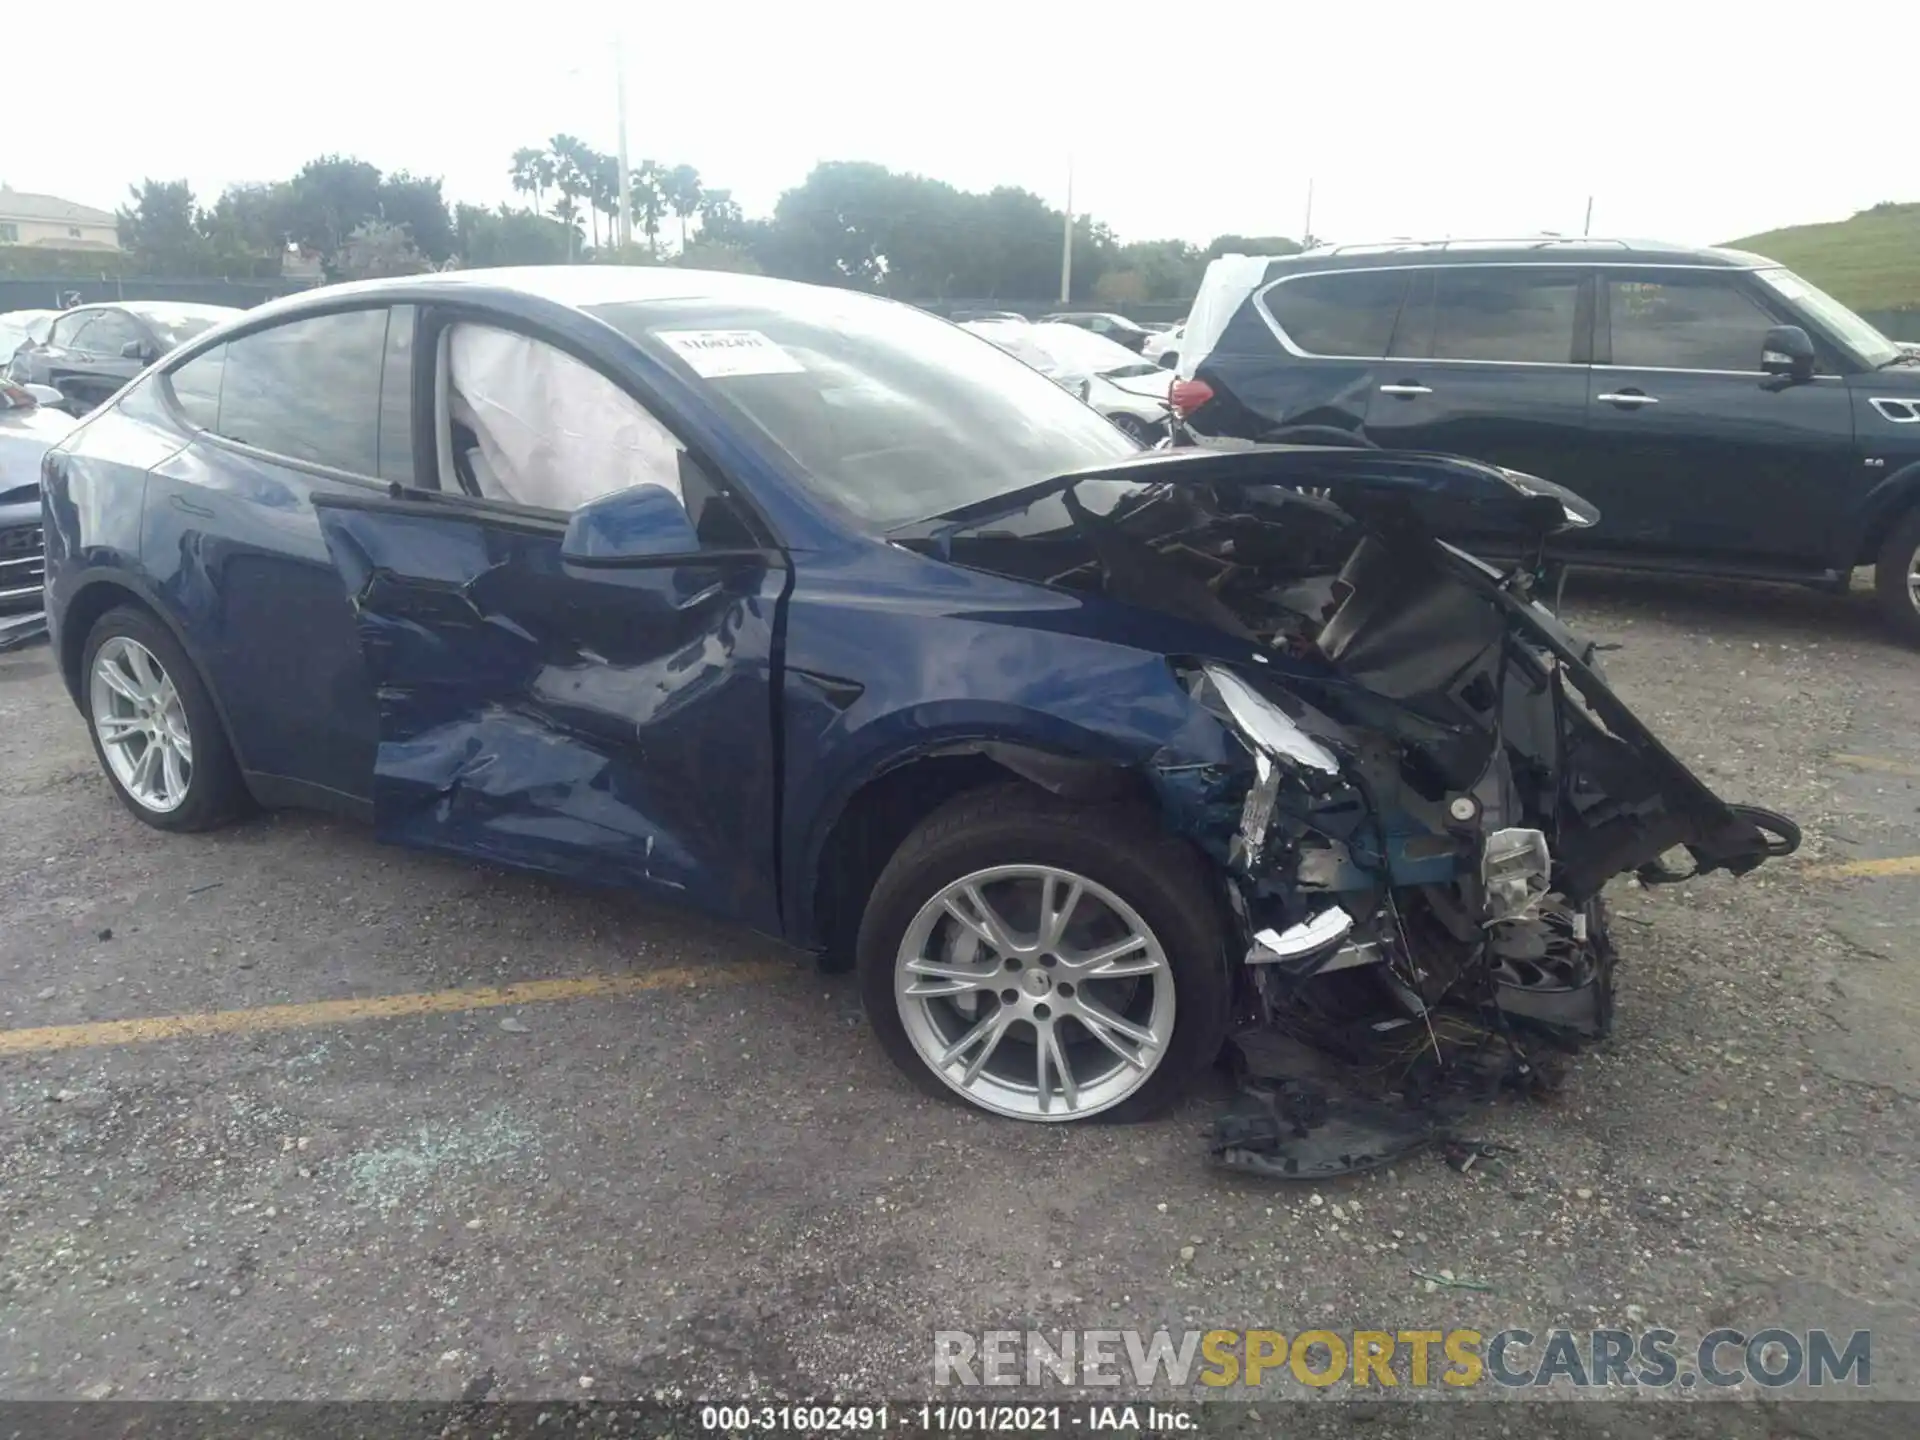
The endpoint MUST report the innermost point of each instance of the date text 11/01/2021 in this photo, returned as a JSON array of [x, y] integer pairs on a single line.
[[948, 1419]]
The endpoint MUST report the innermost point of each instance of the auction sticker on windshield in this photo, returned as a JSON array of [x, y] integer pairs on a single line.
[[715, 354]]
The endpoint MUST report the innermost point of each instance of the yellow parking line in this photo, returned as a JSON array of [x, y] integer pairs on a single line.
[[1874, 762], [376, 1007], [1897, 865]]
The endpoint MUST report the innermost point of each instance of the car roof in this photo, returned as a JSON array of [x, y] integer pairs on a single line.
[[579, 287], [175, 309], [1538, 250]]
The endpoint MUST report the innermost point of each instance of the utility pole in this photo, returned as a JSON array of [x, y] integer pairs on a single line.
[[1066, 242], [620, 150], [1306, 229]]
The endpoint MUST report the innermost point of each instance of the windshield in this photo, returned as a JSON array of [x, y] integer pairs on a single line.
[[893, 413], [1848, 328], [1081, 350], [177, 324]]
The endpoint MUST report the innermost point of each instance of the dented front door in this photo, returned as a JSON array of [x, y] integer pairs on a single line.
[[611, 725]]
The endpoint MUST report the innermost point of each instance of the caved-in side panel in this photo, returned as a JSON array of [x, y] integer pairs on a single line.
[[611, 725]]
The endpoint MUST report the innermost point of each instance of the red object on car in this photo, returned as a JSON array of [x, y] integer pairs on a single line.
[[1187, 396]]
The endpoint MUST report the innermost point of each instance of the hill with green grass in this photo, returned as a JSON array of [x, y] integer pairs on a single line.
[[1871, 262]]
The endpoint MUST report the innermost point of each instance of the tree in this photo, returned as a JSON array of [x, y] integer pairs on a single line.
[[566, 210], [159, 228], [721, 219], [1251, 245], [327, 200], [377, 249], [416, 203], [605, 194], [570, 178], [1120, 287], [532, 174], [649, 203], [681, 189], [508, 237]]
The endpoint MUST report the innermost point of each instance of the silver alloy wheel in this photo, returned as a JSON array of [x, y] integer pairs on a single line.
[[1913, 577], [142, 725], [1035, 992]]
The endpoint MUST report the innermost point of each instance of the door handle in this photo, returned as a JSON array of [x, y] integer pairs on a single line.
[[1631, 399], [1406, 392]]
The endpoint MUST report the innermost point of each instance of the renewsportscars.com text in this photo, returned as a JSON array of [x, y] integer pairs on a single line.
[[1380, 1359]]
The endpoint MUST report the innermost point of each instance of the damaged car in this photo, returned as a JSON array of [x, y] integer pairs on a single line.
[[804, 609]]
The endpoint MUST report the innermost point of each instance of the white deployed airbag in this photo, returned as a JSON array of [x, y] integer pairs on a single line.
[[553, 432]]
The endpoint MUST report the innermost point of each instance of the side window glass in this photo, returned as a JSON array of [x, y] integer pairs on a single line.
[[1349, 314], [309, 390], [110, 333], [716, 518], [1504, 313], [196, 387], [532, 425], [1685, 325], [67, 328], [396, 397]]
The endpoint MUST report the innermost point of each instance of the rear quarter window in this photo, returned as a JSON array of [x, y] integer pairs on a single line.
[[1348, 314]]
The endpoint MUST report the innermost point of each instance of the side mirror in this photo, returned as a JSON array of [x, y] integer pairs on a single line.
[[1787, 352], [647, 522]]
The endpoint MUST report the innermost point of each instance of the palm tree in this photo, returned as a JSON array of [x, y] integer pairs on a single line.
[[573, 172], [567, 211], [649, 203], [570, 177], [606, 193], [681, 188], [532, 173]]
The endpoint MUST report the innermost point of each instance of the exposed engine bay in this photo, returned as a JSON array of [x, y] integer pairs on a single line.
[[1421, 784]]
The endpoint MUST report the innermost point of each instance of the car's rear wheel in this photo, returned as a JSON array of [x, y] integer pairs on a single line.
[[1044, 960], [1896, 577], [154, 727]]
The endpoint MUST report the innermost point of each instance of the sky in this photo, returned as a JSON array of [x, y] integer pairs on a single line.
[[1692, 120]]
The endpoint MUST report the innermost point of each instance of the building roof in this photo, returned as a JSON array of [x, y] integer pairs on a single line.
[[25, 205]]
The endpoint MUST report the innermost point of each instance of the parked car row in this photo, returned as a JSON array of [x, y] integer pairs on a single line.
[[60, 364], [1723, 415], [88, 352], [806, 609], [1112, 379]]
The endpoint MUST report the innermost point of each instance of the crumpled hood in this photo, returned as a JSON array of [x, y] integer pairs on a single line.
[[1388, 630]]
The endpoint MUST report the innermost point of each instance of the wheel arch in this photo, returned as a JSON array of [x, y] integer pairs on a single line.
[[878, 815], [93, 597], [1883, 507]]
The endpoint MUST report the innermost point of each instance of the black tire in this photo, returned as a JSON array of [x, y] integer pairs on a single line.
[[1115, 845], [215, 793], [1894, 579], [1169, 359], [1137, 428]]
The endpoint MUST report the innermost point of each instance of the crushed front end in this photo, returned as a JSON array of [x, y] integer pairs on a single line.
[[1418, 787]]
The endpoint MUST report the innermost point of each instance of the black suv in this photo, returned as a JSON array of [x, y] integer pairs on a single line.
[[1724, 416]]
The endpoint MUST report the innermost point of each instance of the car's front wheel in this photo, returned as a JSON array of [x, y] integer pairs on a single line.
[[1896, 577], [154, 727], [1045, 960]]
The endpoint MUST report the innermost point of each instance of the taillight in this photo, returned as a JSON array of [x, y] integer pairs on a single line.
[[1187, 396]]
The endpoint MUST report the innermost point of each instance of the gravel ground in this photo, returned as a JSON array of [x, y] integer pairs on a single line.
[[725, 1190]]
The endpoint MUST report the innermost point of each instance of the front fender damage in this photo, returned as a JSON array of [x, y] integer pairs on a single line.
[[1414, 785]]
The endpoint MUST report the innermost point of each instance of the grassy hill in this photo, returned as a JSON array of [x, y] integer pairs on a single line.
[[1871, 262]]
